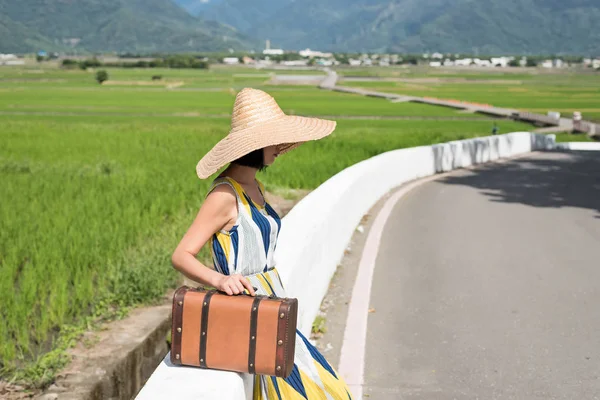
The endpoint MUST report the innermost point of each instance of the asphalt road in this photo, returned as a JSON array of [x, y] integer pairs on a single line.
[[487, 285]]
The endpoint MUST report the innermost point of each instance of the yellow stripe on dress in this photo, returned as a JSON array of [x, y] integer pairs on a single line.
[[331, 384], [313, 391], [268, 278], [240, 193], [264, 284], [257, 395], [271, 391], [287, 391], [225, 242]]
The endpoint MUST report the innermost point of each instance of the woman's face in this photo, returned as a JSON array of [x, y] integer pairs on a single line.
[[270, 153]]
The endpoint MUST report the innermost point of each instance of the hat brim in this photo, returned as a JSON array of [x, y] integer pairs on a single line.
[[287, 132]]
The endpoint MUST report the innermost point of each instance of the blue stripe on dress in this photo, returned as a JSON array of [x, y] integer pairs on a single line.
[[270, 287], [220, 256], [295, 381], [235, 244], [263, 224], [275, 216], [276, 386], [316, 355]]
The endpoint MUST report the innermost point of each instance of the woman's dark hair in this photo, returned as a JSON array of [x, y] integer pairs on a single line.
[[256, 159]]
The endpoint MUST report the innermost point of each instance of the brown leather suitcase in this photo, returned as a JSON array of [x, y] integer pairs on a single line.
[[235, 333]]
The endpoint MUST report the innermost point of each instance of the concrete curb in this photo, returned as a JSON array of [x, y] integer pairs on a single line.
[[118, 365]]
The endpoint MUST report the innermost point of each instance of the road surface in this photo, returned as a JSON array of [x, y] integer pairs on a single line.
[[487, 285]]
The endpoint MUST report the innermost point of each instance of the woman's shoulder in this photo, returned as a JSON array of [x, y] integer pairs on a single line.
[[222, 184]]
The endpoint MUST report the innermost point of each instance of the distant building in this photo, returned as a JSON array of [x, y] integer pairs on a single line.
[[435, 64], [523, 62], [231, 60], [448, 63], [464, 62], [324, 62], [501, 61], [10, 59], [437, 56], [547, 64], [354, 63], [247, 60], [310, 53], [482, 63], [273, 52]]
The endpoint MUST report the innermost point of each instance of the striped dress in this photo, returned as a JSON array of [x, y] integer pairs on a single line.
[[247, 249]]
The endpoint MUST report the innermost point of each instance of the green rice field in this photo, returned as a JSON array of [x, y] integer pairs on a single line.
[[536, 92], [99, 184]]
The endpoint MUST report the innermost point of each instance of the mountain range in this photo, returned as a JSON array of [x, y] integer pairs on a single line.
[[110, 25], [413, 26], [473, 26]]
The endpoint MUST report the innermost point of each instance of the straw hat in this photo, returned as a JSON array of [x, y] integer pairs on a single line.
[[258, 122]]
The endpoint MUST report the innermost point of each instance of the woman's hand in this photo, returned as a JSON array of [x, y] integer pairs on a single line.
[[234, 284]]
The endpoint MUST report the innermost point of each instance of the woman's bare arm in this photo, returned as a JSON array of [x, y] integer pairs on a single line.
[[218, 211]]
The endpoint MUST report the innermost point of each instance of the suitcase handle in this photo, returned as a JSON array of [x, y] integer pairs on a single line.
[[204, 288]]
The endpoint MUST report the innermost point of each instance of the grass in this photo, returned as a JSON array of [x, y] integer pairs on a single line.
[[537, 93], [97, 192], [319, 325], [96, 99], [569, 137], [80, 201]]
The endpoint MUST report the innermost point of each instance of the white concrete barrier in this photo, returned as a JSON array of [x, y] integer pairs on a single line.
[[578, 146], [315, 235]]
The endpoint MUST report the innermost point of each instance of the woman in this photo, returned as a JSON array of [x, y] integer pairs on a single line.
[[241, 229]]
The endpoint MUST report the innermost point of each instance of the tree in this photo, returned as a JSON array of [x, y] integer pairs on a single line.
[[531, 62], [90, 63], [513, 63], [101, 76], [342, 58], [68, 63], [411, 59]]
